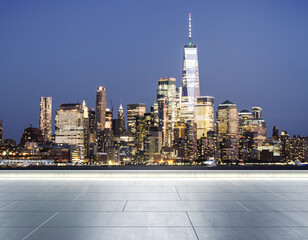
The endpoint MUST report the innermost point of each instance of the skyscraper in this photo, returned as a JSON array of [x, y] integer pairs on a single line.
[[253, 123], [108, 122], [69, 126], [166, 99], [228, 130], [85, 110], [134, 111], [204, 115], [121, 119], [45, 117], [190, 79], [100, 108]]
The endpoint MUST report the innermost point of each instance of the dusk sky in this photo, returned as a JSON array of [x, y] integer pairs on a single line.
[[254, 53]]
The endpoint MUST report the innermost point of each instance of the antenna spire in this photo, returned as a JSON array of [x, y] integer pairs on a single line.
[[189, 29]]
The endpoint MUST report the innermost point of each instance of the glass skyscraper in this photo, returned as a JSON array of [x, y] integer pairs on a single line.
[[190, 79], [45, 117], [166, 99]]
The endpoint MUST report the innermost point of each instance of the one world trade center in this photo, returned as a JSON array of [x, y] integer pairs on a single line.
[[190, 79]]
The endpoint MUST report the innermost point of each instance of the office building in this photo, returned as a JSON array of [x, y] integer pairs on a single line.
[[108, 121], [31, 135], [253, 123], [121, 119], [46, 117], [85, 110], [299, 148], [166, 99], [70, 129], [101, 106], [227, 121], [134, 111], [285, 146], [204, 115], [190, 79]]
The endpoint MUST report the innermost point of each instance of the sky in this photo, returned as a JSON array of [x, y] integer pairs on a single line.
[[253, 53]]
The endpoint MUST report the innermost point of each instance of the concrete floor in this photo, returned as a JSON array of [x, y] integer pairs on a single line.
[[111, 209]]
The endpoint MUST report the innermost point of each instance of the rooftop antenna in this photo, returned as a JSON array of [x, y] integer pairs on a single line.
[[189, 29]]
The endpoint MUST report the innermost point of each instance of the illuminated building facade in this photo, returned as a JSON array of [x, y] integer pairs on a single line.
[[134, 111], [253, 123], [270, 151], [108, 121], [101, 106], [166, 99], [190, 79], [45, 117], [143, 125], [299, 148], [178, 103], [153, 144], [204, 115], [92, 125], [208, 147], [85, 111], [227, 121], [191, 140], [121, 119], [92, 134], [154, 113], [31, 135], [69, 129], [285, 146]]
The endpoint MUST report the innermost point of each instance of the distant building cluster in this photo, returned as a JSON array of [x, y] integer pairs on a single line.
[[179, 128]]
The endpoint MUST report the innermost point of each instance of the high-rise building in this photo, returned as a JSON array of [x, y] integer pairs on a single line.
[[154, 114], [85, 110], [1, 133], [204, 115], [121, 119], [134, 111], [108, 122], [191, 140], [190, 79], [227, 121], [252, 123], [275, 133], [285, 146], [101, 106], [92, 134], [153, 144], [178, 103], [92, 125], [45, 117], [166, 99], [299, 148], [69, 129]]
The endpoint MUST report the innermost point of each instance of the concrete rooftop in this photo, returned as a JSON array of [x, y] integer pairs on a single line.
[[153, 208]]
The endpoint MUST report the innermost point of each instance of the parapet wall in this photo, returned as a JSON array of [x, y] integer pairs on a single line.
[[153, 174]]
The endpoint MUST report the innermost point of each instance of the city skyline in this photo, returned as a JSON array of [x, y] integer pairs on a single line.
[[289, 121]]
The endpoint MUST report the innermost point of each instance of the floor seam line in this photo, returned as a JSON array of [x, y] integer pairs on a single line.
[[8, 205], [78, 196], [33, 231], [124, 206], [178, 193], [275, 194], [243, 206], [192, 225]]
